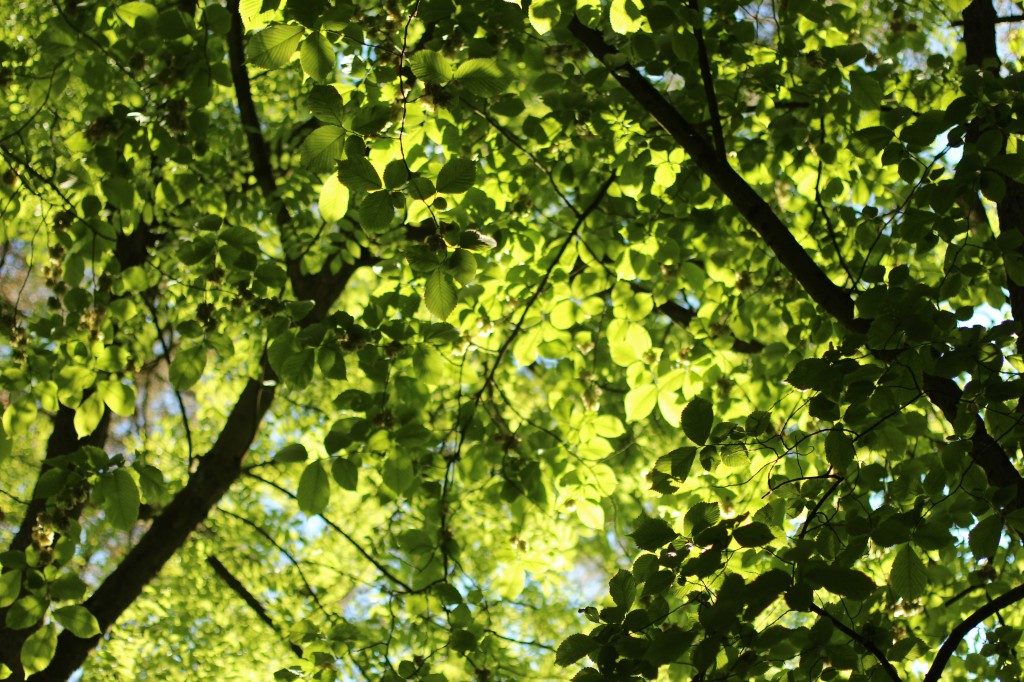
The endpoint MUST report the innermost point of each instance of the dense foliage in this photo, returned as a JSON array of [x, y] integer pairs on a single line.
[[458, 339]]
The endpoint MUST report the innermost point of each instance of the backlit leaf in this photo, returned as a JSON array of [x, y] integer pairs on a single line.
[[314, 488], [274, 46]]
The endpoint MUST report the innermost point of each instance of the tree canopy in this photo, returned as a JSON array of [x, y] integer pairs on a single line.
[[480, 340]]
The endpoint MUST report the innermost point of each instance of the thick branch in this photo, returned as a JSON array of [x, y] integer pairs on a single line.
[[832, 298], [238, 588], [867, 644], [836, 301], [217, 470], [948, 647]]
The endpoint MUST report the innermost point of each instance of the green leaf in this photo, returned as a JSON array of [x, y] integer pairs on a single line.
[[314, 488], [462, 265], [626, 16], [322, 148], [984, 537], [120, 498], [37, 651], [698, 415], [754, 534], [120, 398], [865, 90], [574, 648], [842, 581], [640, 402], [326, 104], [358, 174], [78, 621], [187, 366], [590, 513], [274, 47], [293, 452], [131, 12], [909, 575], [456, 176], [622, 589], [700, 516], [334, 198], [26, 612], [652, 533], [376, 210], [440, 294], [481, 77], [345, 473], [431, 66], [839, 449], [317, 57], [298, 368], [10, 587], [89, 414]]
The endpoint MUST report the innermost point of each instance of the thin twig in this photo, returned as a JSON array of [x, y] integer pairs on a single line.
[[709, 82], [860, 639]]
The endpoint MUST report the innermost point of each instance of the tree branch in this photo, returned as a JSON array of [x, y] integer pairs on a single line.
[[867, 644], [948, 647], [834, 300], [405, 587], [238, 588], [708, 80]]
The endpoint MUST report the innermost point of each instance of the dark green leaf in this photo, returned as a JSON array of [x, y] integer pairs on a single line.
[[293, 452], [696, 421], [753, 535], [652, 533], [908, 576], [345, 473], [456, 176], [574, 648]]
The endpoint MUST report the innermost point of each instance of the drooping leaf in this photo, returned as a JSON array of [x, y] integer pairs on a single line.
[[316, 55], [345, 473], [38, 649], [440, 294], [839, 449], [696, 421], [909, 575], [376, 210], [314, 490], [120, 498]]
